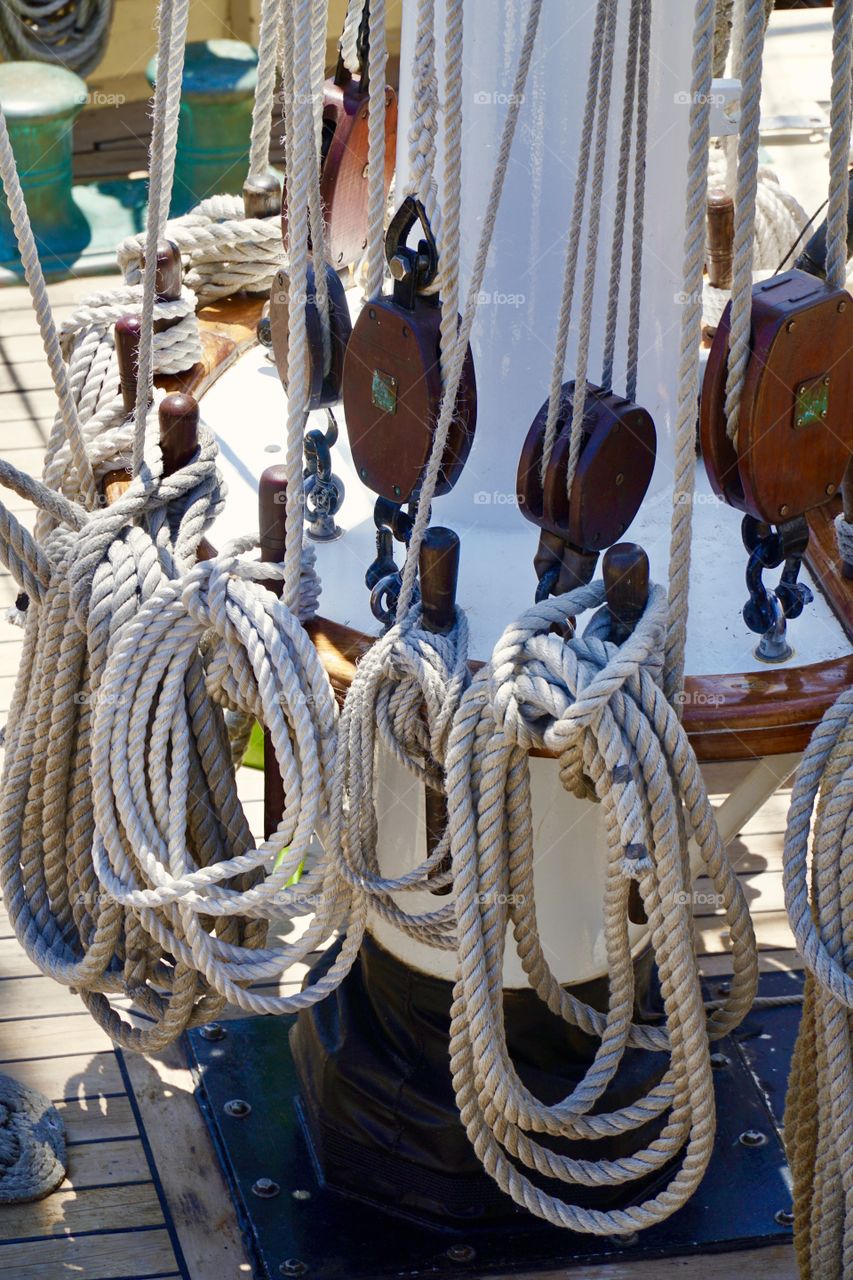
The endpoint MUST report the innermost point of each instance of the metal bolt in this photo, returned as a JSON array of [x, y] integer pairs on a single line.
[[399, 266], [784, 509], [801, 391], [405, 331], [790, 326], [238, 1108], [293, 1267], [823, 413], [785, 1217], [372, 313], [397, 491], [213, 1031], [363, 472], [842, 306], [752, 1138], [826, 381], [718, 1061], [620, 479], [461, 1253], [364, 171], [265, 1188], [800, 421], [830, 490], [299, 1194], [724, 988]]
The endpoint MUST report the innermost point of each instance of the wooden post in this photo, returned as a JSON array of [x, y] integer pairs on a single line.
[[272, 511], [721, 235], [439, 575]]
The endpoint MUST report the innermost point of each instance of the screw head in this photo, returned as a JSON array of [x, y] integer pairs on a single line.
[[239, 1108], [213, 1031], [842, 306], [752, 1138], [372, 313], [724, 988], [790, 326], [785, 1217], [826, 381], [800, 421], [620, 479], [784, 509], [461, 1253], [830, 490], [293, 1267], [364, 171], [265, 1188], [301, 1194], [719, 1061]]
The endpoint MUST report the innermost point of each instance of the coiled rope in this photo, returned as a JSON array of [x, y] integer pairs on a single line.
[[601, 708], [68, 33]]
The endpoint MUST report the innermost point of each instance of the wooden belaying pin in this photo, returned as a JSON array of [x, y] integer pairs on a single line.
[[179, 418], [178, 414], [262, 196], [721, 234], [272, 519], [127, 331], [127, 334], [438, 566], [625, 570]]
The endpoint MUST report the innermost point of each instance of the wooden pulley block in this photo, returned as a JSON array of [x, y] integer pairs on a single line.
[[795, 429], [392, 376], [324, 388], [614, 470]]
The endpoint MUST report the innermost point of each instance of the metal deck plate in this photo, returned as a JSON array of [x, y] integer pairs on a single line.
[[305, 1229]]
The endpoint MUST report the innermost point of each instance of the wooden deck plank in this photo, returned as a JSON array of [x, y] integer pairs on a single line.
[[204, 1217], [136, 1254], [98, 1119], [36, 996], [96, 1164], [772, 932], [81, 1076], [70, 1212], [51, 1037]]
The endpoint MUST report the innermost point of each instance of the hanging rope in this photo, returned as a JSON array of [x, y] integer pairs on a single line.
[[820, 1087], [67, 33], [601, 709]]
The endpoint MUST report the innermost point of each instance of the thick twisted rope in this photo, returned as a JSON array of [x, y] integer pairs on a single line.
[[602, 709], [819, 1101], [222, 250], [403, 697]]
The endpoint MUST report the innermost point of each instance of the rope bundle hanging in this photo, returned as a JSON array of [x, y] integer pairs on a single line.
[[820, 1087], [152, 888], [70, 33], [601, 708]]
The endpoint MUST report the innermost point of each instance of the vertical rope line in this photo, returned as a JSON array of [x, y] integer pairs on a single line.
[[591, 262], [451, 195], [750, 61], [301, 158], [376, 70], [348, 43], [573, 243], [25, 237], [269, 32], [620, 210], [424, 123], [640, 148], [457, 356], [161, 167], [839, 143], [691, 326], [315, 206]]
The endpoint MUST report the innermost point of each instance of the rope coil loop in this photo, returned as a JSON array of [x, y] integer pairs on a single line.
[[603, 708]]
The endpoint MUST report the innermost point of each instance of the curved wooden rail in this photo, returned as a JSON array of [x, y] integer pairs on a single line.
[[728, 717]]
